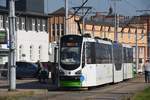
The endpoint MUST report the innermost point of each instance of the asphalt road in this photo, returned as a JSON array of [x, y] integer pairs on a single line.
[[119, 91]]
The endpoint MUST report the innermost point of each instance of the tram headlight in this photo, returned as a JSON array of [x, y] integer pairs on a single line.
[[78, 72]]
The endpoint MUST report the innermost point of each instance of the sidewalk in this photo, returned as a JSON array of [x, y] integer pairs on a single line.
[[24, 88], [124, 90]]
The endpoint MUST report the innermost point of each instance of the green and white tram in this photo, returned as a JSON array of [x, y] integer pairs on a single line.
[[86, 62]]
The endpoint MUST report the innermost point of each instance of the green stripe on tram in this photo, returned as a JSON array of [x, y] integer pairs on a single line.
[[70, 83]]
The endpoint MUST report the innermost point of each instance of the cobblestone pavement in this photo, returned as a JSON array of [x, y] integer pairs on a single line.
[[117, 91]]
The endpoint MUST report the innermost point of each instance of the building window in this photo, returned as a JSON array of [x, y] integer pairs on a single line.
[[31, 52], [20, 52], [22, 23], [62, 26], [53, 31], [17, 23], [62, 29], [53, 26], [58, 29], [141, 52], [57, 26], [33, 24], [40, 52], [1, 21], [43, 25], [6, 23], [38, 24], [142, 36]]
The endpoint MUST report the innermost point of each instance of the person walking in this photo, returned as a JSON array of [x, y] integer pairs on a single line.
[[147, 71], [40, 66], [43, 75]]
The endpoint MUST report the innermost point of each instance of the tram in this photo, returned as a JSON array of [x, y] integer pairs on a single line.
[[86, 62], [127, 61]]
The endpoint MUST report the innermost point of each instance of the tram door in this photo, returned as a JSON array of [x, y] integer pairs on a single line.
[[89, 70], [117, 63]]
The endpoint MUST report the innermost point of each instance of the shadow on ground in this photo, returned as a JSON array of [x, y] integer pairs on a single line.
[[26, 84]]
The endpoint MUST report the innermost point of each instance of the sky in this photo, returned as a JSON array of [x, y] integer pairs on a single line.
[[124, 7]]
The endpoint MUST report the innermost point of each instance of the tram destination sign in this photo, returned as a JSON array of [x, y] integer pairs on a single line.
[[3, 37]]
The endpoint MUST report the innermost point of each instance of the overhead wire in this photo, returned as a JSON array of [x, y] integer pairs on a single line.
[[78, 10]]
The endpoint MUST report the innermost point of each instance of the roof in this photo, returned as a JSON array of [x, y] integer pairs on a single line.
[[125, 22], [32, 13], [61, 12], [104, 22], [138, 21], [29, 13]]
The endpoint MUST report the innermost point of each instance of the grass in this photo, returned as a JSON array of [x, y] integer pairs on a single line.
[[16, 95], [144, 95]]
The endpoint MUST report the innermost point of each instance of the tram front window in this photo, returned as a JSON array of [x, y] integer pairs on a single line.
[[70, 57]]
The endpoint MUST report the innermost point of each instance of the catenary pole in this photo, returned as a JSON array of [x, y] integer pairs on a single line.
[[136, 51], [83, 19], [66, 16], [115, 29], [116, 21], [12, 46]]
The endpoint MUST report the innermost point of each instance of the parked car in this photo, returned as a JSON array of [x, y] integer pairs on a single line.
[[25, 70]]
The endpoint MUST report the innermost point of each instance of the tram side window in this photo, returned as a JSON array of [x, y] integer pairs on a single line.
[[117, 56], [130, 55], [98, 53], [90, 54], [110, 53], [103, 53], [125, 55]]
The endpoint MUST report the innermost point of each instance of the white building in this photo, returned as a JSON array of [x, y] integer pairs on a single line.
[[32, 37]]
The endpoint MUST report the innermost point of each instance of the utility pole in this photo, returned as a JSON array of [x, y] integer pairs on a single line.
[[115, 29], [12, 46], [83, 19], [136, 51], [66, 16], [116, 20]]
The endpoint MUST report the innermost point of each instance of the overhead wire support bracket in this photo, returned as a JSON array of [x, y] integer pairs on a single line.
[[82, 17]]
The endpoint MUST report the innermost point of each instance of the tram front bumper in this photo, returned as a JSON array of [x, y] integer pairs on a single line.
[[70, 81]]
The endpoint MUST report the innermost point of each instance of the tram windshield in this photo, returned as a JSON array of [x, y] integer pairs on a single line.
[[70, 53]]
